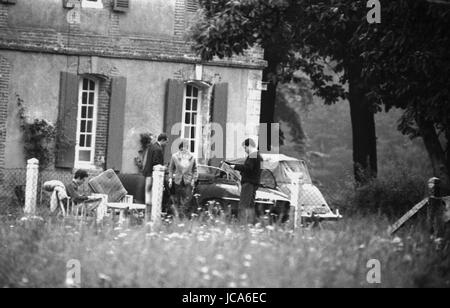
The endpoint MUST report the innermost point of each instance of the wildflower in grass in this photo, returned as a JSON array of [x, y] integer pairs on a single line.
[[207, 277], [248, 257], [247, 264], [270, 228], [253, 242], [217, 273], [232, 284], [220, 257], [204, 269], [243, 276], [180, 225], [201, 259]]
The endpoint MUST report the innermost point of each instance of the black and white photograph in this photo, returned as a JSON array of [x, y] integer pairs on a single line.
[[225, 150]]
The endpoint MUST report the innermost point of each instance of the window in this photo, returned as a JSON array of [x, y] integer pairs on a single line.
[[86, 123], [191, 111], [96, 4]]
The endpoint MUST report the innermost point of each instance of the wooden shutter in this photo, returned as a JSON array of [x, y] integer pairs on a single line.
[[219, 115], [173, 112], [67, 121], [121, 5], [116, 123]]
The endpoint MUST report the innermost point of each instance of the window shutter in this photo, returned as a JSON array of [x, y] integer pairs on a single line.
[[219, 115], [192, 6], [9, 1], [116, 123], [173, 112], [121, 5], [67, 121]]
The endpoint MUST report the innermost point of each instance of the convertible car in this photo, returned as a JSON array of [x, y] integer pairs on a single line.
[[218, 191], [311, 202]]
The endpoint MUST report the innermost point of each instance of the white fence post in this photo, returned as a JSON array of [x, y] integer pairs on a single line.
[[295, 198], [157, 194], [31, 186]]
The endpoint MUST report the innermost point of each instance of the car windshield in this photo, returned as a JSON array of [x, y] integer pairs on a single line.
[[268, 179], [210, 173], [289, 168]]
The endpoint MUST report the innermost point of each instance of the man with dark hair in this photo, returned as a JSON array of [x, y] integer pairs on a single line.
[[154, 156], [72, 188], [251, 176], [183, 171]]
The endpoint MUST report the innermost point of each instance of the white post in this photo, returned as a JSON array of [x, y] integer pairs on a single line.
[[31, 186], [295, 191], [297, 181], [157, 194]]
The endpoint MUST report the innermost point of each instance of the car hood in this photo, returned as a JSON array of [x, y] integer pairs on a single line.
[[263, 194]]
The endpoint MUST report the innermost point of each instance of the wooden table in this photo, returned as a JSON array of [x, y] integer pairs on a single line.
[[123, 209]]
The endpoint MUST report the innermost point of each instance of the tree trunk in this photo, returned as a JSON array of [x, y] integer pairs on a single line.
[[447, 148], [435, 151], [268, 97], [364, 132]]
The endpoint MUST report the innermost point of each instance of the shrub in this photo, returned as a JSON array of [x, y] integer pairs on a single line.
[[38, 137]]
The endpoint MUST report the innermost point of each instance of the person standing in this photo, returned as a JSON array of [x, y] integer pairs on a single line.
[[251, 177], [183, 171], [153, 157]]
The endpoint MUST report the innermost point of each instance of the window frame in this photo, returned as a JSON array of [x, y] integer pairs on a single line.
[[198, 119], [82, 164], [98, 4]]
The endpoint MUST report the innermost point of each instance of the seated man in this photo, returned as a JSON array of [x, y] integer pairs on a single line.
[[72, 188], [77, 197]]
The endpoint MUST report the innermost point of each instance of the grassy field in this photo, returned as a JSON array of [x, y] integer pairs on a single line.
[[192, 254]]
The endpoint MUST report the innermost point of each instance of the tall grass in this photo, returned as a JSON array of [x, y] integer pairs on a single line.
[[192, 254]]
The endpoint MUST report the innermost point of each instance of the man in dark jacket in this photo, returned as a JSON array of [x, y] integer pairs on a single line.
[[251, 176], [72, 188], [153, 157]]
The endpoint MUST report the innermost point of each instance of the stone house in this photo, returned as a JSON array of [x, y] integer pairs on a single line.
[[105, 71]]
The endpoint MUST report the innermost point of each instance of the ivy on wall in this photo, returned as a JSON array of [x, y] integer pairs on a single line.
[[38, 137]]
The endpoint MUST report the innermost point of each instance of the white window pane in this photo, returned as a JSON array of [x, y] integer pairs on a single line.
[[188, 104], [89, 127], [82, 140], [88, 141], [91, 99], [90, 112], [194, 119], [83, 126], [84, 156], [84, 98], [189, 91]]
